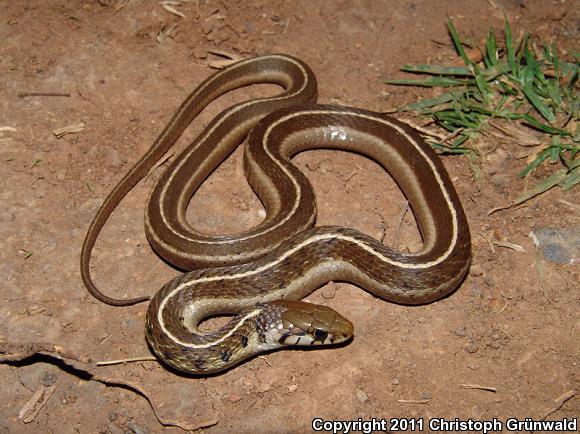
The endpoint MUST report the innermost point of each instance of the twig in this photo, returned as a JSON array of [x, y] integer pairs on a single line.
[[571, 205], [120, 5], [168, 6], [210, 421], [499, 208], [265, 359], [228, 58], [413, 401], [476, 386], [423, 130], [81, 364], [560, 401], [512, 246], [383, 226], [26, 94], [488, 239], [159, 164], [166, 32], [505, 305], [123, 361], [452, 135], [399, 223]]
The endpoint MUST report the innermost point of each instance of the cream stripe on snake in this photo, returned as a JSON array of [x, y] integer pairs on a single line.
[[184, 347], [167, 221], [286, 259], [292, 74], [314, 239]]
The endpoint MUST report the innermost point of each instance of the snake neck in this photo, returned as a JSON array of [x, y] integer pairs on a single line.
[[254, 330], [297, 268]]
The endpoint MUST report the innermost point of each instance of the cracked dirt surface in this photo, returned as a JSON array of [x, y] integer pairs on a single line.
[[505, 328]]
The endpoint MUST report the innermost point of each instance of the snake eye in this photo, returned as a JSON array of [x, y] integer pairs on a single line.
[[320, 335]]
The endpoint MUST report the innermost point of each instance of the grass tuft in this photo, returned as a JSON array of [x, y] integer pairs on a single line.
[[518, 83]]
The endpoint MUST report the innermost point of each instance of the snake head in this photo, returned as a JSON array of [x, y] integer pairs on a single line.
[[305, 324]]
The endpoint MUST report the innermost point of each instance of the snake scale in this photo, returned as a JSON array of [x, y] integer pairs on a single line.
[[259, 276]]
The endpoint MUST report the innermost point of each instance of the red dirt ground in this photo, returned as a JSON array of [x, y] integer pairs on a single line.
[[504, 328]]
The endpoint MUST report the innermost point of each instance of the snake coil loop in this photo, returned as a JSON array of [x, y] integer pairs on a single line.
[[259, 275]]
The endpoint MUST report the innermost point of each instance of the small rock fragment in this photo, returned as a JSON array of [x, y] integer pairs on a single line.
[[559, 246], [361, 395]]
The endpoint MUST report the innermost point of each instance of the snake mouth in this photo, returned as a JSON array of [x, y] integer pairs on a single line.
[[312, 338], [306, 324]]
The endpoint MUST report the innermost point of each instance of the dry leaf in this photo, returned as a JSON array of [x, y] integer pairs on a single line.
[[512, 246], [518, 135], [30, 410], [70, 129], [168, 6]]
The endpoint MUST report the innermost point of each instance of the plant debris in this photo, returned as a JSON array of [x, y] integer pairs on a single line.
[[521, 91]]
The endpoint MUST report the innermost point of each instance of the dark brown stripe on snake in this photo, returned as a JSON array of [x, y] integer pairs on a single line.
[[318, 255], [299, 85], [297, 260]]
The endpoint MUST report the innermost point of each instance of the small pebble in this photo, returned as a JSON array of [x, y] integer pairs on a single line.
[[471, 348], [460, 333], [476, 270], [361, 395], [200, 53], [234, 398]]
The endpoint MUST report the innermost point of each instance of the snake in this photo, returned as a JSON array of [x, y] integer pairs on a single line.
[[258, 277]]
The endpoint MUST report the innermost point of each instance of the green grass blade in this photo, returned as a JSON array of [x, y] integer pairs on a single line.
[[450, 149], [543, 127], [538, 104], [430, 102], [500, 103], [509, 45], [541, 187], [495, 71], [554, 153], [537, 161], [454, 120], [573, 78], [460, 140], [554, 94], [534, 65], [520, 52], [437, 70], [525, 76], [514, 86], [457, 42], [491, 49], [430, 82], [547, 54], [571, 180], [555, 61], [482, 86]]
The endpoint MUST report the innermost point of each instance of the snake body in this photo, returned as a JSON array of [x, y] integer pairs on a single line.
[[283, 259]]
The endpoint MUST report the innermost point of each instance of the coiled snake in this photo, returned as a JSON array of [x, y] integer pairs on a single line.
[[259, 275]]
